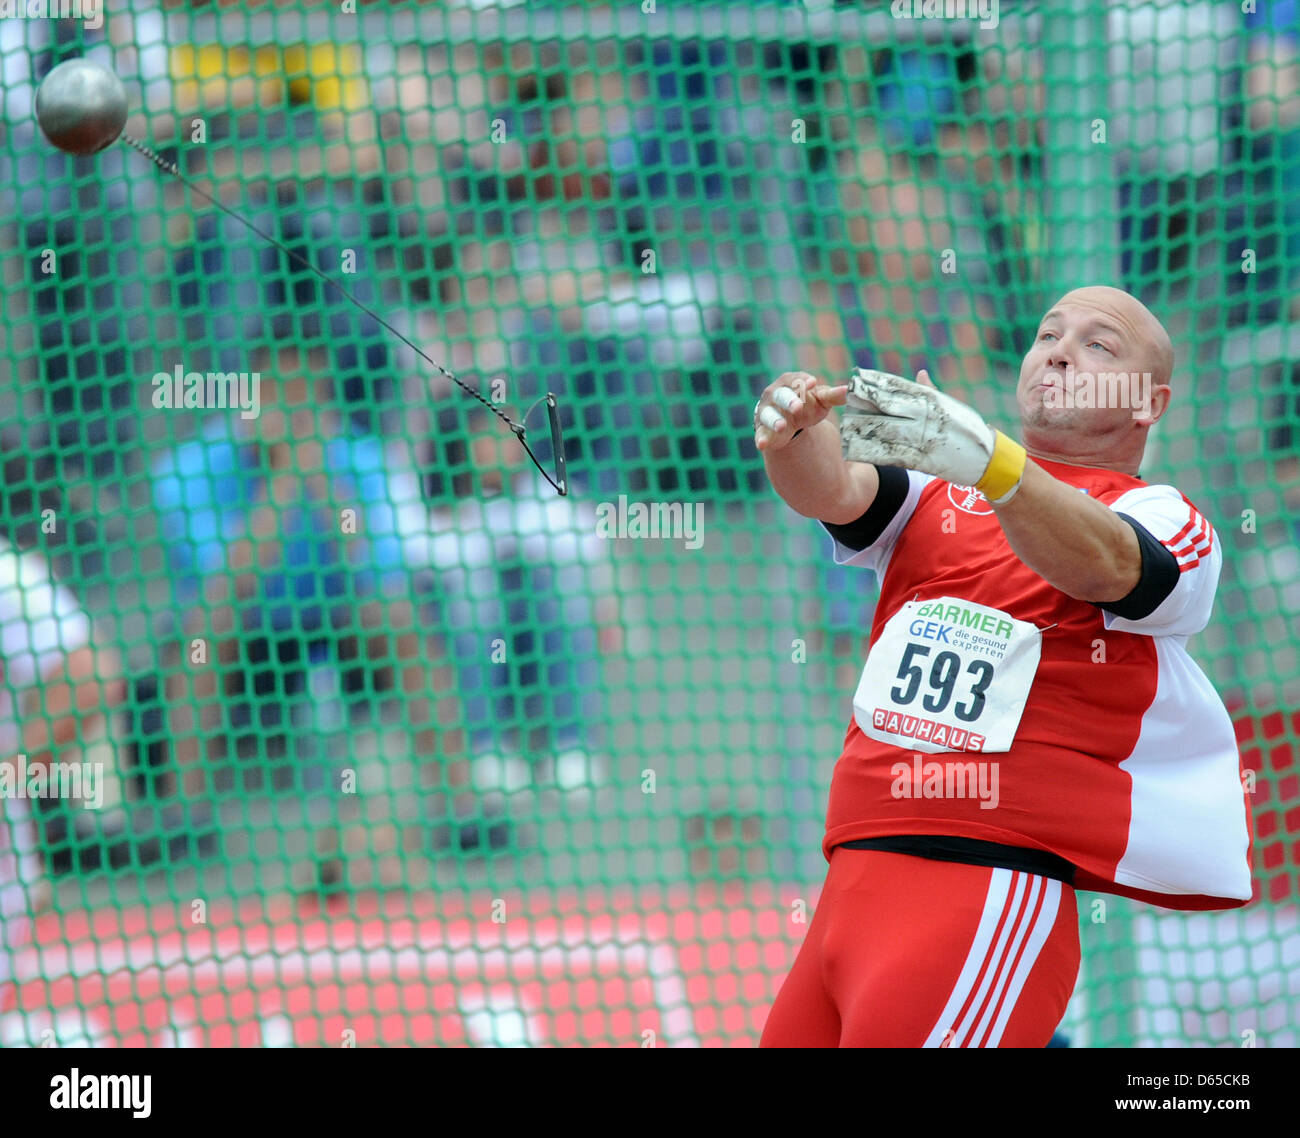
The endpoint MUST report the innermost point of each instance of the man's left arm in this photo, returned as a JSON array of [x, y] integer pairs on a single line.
[[1071, 540]]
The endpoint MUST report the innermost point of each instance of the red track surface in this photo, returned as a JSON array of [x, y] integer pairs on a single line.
[[695, 968]]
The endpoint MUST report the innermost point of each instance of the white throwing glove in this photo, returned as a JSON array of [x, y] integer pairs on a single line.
[[891, 421]]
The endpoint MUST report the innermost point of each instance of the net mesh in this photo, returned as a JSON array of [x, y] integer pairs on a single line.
[[404, 747]]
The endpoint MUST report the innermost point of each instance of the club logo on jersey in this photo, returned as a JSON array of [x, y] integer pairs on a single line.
[[969, 499]]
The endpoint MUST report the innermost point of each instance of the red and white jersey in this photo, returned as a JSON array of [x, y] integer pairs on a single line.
[[1123, 761]]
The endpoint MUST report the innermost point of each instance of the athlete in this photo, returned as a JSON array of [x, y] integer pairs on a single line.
[[1028, 721]]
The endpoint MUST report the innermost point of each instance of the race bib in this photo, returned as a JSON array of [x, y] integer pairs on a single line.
[[948, 675]]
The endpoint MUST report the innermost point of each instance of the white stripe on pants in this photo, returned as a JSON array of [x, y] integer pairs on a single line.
[[991, 962]]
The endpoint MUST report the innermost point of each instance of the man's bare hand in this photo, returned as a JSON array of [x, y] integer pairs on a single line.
[[792, 403]]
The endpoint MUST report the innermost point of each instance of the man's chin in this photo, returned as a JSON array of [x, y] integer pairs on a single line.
[[1040, 418]]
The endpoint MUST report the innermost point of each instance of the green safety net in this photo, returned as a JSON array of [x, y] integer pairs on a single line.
[[401, 746]]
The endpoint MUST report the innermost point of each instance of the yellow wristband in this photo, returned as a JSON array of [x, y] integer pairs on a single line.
[[1004, 471]]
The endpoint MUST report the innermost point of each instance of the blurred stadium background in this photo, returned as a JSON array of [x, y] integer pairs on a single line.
[[463, 771]]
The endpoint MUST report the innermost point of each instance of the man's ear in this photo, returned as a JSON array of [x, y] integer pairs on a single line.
[[1160, 396]]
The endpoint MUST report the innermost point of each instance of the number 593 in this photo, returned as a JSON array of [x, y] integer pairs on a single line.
[[941, 683]]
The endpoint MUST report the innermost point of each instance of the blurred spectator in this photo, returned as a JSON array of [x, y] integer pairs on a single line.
[[313, 611], [235, 289], [612, 397], [918, 92], [220, 507], [1272, 194], [528, 603], [899, 222], [1272, 143], [993, 153], [1169, 67], [54, 686], [667, 154], [650, 339]]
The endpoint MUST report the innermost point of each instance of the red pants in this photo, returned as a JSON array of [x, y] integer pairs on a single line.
[[904, 951]]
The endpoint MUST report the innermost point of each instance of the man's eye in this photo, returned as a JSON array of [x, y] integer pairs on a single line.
[[1100, 345], [1044, 335]]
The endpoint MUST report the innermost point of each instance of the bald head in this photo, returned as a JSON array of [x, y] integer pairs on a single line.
[[1135, 319], [1095, 380]]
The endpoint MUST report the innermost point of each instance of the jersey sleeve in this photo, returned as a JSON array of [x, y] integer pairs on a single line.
[[868, 541], [1179, 536]]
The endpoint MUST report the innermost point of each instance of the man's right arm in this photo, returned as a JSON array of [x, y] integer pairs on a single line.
[[809, 471]]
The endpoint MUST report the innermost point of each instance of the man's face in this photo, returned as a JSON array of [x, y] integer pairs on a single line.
[[1091, 371]]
